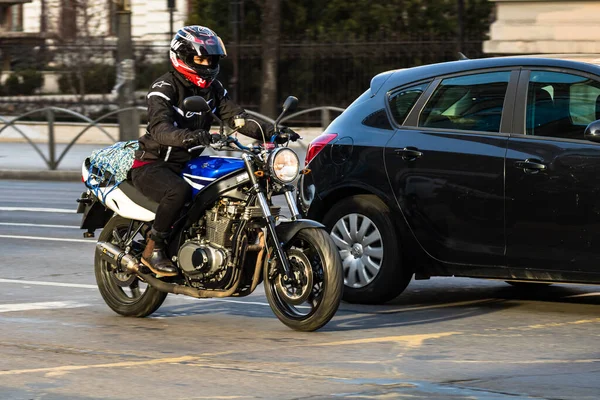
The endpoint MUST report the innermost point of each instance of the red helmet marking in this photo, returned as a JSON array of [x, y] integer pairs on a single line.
[[190, 75]]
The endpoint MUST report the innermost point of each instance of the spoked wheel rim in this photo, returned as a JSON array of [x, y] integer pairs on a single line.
[[124, 288], [300, 299], [360, 245]]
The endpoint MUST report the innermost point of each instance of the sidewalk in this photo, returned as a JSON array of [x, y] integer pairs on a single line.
[[19, 160]]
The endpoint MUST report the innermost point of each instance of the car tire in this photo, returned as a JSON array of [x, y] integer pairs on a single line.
[[371, 219]]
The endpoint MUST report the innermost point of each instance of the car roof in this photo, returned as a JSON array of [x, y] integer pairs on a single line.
[[394, 78]]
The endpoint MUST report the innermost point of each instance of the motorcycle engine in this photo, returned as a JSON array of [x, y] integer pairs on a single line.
[[201, 260], [205, 256]]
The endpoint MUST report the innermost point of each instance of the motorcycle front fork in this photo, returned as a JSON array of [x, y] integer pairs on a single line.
[[266, 210]]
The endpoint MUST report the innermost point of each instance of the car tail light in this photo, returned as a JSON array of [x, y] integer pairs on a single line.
[[317, 145]]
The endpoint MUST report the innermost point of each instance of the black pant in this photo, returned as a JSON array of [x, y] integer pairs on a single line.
[[161, 182]]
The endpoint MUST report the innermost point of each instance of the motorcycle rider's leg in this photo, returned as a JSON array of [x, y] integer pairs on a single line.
[[161, 182], [154, 256]]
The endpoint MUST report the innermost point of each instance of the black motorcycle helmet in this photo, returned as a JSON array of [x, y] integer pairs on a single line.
[[195, 40]]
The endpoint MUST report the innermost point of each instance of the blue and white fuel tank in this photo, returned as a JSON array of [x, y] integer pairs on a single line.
[[204, 170]]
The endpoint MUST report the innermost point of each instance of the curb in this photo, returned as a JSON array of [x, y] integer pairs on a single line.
[[41, 175]]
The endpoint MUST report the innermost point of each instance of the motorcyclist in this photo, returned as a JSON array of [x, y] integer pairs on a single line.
[[195, 54]]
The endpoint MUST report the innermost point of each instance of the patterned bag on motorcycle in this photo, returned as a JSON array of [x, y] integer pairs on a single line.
[[110, 165]]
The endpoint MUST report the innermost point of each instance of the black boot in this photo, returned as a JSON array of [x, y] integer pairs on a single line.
[[155, 258]]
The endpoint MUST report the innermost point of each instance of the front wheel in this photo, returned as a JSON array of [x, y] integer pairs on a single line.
[[309, 301]]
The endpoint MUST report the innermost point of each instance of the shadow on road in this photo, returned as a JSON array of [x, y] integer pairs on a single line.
[[422, 303], [446, 302]]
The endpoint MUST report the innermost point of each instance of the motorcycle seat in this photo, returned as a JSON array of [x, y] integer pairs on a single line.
[[137, 197], [126, 187]]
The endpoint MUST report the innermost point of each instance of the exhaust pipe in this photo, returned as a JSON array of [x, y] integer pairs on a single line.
[[126, 262], [117, 257]]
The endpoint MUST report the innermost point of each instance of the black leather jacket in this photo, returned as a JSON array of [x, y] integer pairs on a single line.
[[169, 124]]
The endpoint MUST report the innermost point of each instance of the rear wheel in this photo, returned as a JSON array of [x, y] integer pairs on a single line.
[[124, 293], [363, 231], [310, 300]]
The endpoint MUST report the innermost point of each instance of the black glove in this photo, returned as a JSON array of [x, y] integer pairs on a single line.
[[286, 134], [194, 138], [200, 138]]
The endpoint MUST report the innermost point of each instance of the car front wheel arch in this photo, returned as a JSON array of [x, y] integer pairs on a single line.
[[372, 249]]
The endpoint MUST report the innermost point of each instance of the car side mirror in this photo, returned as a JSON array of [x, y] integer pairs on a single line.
[[592, 132], [196, 104]]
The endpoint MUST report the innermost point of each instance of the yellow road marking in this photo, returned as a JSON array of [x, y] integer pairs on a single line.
[[69, 368], [549, 325], [410, 340], [220, 397], [584, 361], [284, 369]]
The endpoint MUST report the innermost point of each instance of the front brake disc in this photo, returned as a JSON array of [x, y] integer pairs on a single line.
[[298, 290]]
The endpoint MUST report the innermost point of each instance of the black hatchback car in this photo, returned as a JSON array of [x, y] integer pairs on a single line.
[[476, 168]]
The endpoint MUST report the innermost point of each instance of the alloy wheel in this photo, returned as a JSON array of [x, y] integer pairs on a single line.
[[360, 246]]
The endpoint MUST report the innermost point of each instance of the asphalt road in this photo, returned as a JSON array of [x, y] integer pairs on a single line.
[[446, 338]]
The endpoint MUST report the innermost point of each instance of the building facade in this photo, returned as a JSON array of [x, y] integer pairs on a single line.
[[72, 19], [567, 28], [12, 32]]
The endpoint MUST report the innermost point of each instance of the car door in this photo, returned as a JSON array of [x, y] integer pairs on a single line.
[[553, 173], [446, 165]]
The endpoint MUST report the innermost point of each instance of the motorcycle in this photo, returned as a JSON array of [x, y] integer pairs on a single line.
[[229, 239]]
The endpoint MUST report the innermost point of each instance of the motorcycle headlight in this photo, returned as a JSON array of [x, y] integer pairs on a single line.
[[284, 165]]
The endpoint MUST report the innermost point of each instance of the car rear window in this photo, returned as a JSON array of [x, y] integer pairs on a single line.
[[402, 101]]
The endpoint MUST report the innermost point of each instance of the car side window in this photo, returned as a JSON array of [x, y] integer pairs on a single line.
[[402, 102], [560, 104], [471, 103]]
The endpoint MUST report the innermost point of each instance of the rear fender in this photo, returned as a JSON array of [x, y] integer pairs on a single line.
[[95, 214]]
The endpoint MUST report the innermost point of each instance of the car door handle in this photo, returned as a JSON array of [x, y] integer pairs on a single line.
[[531, 165], [409, 153]]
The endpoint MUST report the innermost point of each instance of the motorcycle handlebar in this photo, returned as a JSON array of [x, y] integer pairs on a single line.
[[230, 140]]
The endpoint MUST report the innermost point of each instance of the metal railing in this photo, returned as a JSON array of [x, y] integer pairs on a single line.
[[53, 162]]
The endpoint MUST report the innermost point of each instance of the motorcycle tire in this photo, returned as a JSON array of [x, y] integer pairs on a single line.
[[318, 286], [113, 286]]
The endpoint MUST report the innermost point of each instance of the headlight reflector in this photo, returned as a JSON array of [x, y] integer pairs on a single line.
[[284, 165]]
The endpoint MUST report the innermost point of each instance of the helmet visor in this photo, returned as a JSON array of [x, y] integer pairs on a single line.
[[211, 46]]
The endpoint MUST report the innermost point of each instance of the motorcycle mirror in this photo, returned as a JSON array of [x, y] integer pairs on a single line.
[[196, 104], [289, 105], [199, 104]]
